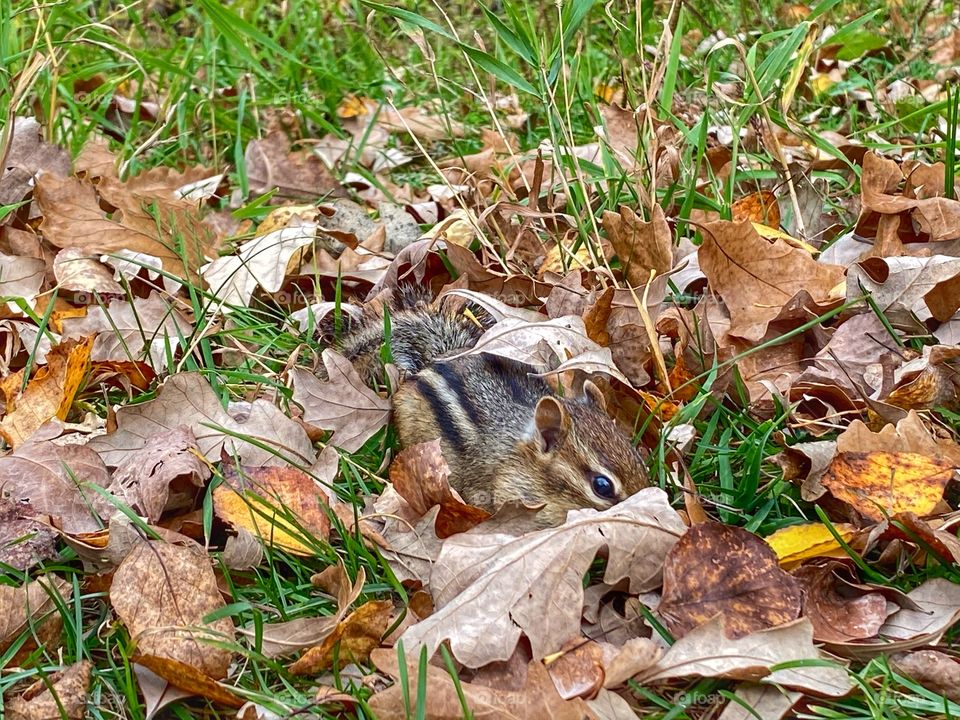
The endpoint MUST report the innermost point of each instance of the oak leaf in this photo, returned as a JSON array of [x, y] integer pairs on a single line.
[[836, 613], [491, 587], [640, 246], [343, 403], [186, 399], [758, 279]]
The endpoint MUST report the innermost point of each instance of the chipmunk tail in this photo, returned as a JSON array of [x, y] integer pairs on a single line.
[[421, 331]]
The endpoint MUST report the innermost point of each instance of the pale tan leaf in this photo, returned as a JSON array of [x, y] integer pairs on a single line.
[[490, 587], [186, 399], [343, 403]]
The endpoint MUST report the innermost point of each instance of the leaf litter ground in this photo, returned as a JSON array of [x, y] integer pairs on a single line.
[[200, 513]]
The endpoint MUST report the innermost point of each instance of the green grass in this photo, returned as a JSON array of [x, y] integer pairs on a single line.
[[221, 74]]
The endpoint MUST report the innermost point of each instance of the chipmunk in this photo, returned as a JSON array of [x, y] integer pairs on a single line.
[[504, 434]]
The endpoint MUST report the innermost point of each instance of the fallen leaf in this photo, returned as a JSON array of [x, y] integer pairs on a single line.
[[936, 671], [295, 174], [162, 593], [881, 483], [343, 403], [168, 463], [24, 540], [805, 541], [352, 640], [151, 329], [278, 505], [707, 651], [640, 246], [532, 584], [764, 701], [538, 698], [837, 614], [186, 399], [62, 695], [188, 678], [34, 605], [761, 281], [20, 279], [284, 638], [26, 156], [421, 476], [79, 272], [939, 601], [49, 393], [261, 262], [72, 217], [719, 569], [59, 480]]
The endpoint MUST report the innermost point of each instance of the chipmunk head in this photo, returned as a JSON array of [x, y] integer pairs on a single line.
[[584, 459]]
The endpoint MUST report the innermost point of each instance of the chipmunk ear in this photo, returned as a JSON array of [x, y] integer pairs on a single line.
[[551, 422], [593, 395]]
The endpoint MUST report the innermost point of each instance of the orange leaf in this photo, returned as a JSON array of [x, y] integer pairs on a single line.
[[49, 393], [759, 207], [879, 483]]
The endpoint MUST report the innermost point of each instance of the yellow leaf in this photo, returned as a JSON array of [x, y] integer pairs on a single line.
[[797, 543], [266, 501], [879, 483]]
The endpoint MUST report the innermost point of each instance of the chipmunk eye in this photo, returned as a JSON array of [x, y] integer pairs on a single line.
[[603, 487]]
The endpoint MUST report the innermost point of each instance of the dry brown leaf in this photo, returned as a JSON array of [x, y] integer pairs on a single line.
[[278, 505], [284, 638], [295, 174], [20, 277], [904, 287], [836, 613], [57, 480], [707, 651], [533, 583], [264, 261], [763, 701], [641, 246], [49, 393], [186, 399], [343, 403], [881, 483], [164, 474], [77, 271], [60, 696], [32, 604], [720, 569], [352, 640], [421, 476], [937, 217], [935, 670], [928, 381], [189, 679], [578, 671], [162, 593], [150, 329], [538, 698], [939, 601], [26, 157], [24, 540], [761, 281], [72, 217]]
